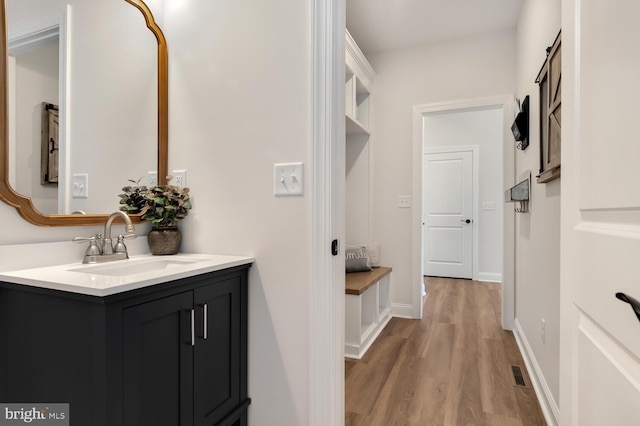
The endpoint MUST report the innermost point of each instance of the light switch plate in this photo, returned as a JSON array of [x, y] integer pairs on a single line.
[[404, 201], [288, 179], [80, 185], [488, 205]]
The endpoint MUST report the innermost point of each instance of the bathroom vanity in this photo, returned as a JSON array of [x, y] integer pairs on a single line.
[[155, 340]]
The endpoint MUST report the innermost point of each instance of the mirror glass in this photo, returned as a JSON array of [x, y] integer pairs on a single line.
[[85, 109]]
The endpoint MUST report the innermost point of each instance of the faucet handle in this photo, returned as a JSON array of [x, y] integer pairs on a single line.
[[120, 247], [79, 240], [93, 249]]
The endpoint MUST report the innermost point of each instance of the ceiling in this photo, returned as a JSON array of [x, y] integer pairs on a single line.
[[378, 25]]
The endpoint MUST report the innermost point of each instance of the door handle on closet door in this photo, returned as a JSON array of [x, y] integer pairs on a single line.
[[635, 304], [465, 220]]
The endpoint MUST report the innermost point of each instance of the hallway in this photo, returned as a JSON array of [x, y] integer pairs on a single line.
[[451, 368]]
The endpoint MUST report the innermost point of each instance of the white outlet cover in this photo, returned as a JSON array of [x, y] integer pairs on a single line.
[[179, 178], [288, 179]]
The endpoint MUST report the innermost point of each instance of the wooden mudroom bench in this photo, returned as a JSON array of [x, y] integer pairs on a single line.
[[367, 309]]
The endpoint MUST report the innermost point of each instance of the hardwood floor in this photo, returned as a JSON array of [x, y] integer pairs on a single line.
[[451, 368]]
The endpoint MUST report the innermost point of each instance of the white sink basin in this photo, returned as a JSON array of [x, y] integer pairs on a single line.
[[114, 277], [121, 268]]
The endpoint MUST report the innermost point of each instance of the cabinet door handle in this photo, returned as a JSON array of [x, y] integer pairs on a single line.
[[193, 328], [205, 321]]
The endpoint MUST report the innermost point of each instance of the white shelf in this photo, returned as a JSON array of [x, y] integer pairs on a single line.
[[359, 77], [354, 127]]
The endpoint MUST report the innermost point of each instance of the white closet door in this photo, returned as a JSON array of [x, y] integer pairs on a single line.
[[448, 214]]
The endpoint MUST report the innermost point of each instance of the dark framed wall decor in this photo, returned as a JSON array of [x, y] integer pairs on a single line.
[[49, 146], [550, 82]]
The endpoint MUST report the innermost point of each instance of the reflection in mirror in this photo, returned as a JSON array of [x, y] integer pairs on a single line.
[[33, 78], [106, 68], [111, 110]]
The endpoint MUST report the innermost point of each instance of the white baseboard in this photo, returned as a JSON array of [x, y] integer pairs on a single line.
[[490, 277], [402, 310], [545, 398]]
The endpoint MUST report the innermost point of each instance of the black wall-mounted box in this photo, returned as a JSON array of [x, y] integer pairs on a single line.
[[520, 126]]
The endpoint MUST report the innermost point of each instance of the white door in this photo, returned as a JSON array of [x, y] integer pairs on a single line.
[[600, 254], [448, 214]]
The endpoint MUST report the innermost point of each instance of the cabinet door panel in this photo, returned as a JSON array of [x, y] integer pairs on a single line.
[[217, 358], [158, 362]]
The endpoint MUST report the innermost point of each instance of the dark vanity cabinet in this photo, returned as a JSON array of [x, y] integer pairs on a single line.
[[166, 355]]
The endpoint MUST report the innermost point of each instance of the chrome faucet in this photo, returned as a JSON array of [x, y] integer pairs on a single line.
[[101, 248]]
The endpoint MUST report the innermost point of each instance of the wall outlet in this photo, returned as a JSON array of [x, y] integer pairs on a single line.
[[179, 178], [404, 201], [152, 179], [543, 330]]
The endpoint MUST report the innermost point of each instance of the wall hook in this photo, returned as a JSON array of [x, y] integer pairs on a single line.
[[524, 207]]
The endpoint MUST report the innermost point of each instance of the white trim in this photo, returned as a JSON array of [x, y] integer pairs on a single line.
[[417, 243], [509, 223], [358, 63], [326, 295], [12, 101], [64, 102], [543, 392], [508, 287], [489, 277], [32, 33], [402, 310], [475, 163]]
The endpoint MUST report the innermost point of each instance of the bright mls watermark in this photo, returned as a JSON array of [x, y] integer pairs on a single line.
[[36, 414]]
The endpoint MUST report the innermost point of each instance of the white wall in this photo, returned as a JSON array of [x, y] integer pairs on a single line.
[[452, 70], [538, 232], [358, 190], [239, 96], [483, 128], [240, 102]]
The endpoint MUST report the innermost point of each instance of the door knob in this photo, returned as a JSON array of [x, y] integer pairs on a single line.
[[635, 305], [465, 220]]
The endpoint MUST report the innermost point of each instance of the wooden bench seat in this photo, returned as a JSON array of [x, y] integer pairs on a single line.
[[367, 308], [357, 282]]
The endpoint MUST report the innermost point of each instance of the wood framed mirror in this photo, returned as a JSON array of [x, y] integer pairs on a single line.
[[24, 203]]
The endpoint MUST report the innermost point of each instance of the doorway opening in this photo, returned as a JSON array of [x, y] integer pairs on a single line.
[[461, 162]]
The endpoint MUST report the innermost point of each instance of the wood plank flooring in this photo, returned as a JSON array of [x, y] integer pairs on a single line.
[[451, 368]]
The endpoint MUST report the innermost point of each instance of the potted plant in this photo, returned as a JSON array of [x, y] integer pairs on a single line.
[[162, 205]]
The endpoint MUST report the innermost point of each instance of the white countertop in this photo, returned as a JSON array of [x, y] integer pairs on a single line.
[[104, 279]]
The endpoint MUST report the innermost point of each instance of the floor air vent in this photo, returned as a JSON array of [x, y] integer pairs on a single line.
[[518, 378]]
